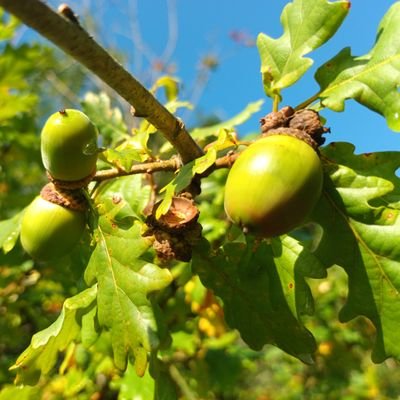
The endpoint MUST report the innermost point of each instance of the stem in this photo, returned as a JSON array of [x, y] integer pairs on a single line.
[[68, 35], [307, 102], [275, 106], [181, 382], [165, 165]]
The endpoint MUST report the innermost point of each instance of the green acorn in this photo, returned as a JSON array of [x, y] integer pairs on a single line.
[[53, 224], [69, 145], [274, 184]]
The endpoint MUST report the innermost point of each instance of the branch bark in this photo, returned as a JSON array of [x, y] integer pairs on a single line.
[[68, 35], [172, 164]]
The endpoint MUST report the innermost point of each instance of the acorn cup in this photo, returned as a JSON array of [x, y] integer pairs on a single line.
[[276, 182]]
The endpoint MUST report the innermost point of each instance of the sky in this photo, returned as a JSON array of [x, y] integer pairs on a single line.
[[205, 28]]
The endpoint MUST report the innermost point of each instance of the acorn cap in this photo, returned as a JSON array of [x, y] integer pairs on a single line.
[[71, 199]]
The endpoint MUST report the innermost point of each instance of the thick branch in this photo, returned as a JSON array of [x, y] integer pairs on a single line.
[[75, 41]]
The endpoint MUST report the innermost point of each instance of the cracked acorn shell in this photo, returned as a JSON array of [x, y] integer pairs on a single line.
[[49, 231], [69, 145], [273, 185]]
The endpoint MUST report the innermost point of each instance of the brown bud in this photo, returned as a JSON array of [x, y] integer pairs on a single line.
[[276, 119], [309, 122], [176, 231]]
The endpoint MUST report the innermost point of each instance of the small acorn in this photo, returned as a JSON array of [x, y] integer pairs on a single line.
[[69, 145], [50, 230], [274, 184]]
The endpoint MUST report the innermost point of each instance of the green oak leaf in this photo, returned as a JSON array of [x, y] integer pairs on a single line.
[[170, 84], [8, 26], [182, 179], [360, 206], [121, 265], [128, 194], [41, 355], [263, 290], [238, 119], [9, 232], [15, 65], [372, 79], [225, 139], [307, 25], [124, 158]]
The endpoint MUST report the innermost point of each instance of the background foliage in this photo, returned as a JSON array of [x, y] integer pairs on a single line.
[[205, 324]]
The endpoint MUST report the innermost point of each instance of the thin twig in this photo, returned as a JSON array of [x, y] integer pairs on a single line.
[[172, 164], [277, 99], [307, 102], [181, 382], [75, 41]]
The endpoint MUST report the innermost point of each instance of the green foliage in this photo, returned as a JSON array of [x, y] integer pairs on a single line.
[[41, 355], [120, 318], [361, 206], [369, 78], [9, 232], [125, 278], [307, 25], [263, 296]]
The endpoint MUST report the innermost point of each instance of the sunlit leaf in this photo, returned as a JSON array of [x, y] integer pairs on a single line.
[[41, 355], [204, 162], [373, 79], [243, 116], [125, 277], [307, 25], [180, 182], [9, 232], [361, 207], [130, 193], [7, 28], [170, 85], [174, 105], [123, 158], [226, 138]]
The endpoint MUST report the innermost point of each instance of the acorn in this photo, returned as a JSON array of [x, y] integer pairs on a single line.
[[274, 184], [51, 229], [69, 146]]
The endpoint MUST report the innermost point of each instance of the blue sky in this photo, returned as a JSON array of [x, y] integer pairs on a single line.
[[205, 27]]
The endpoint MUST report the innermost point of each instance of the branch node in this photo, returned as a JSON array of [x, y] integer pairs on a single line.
[[137, 114], [66, 11]]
